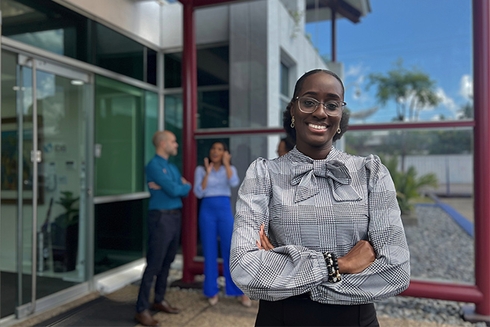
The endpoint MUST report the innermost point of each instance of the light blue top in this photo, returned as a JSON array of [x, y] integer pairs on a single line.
[[168, 177], [218, 182]]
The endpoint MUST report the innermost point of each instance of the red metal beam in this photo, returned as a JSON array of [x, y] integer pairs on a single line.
[[334, 33], [481, 85], [189, 90], [479, 294], [237, 131], [417, 125], [204, 3], [363, 127], [444, 291]]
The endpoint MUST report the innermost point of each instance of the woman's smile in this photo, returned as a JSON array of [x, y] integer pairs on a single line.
[[316, 127]]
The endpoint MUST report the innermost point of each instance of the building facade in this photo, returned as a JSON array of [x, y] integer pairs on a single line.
[[85, 84]]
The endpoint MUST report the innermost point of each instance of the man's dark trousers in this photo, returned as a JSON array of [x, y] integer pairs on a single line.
[[163, 242]]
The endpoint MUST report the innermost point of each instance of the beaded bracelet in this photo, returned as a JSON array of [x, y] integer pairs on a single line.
[[332, 267]]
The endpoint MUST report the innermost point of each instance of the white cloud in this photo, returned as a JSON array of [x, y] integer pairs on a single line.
[[446, 100], [354, 79], [354, 70], [466, 87]]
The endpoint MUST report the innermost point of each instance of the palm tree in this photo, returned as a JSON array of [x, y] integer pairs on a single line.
[[412, 91], [407, 184]]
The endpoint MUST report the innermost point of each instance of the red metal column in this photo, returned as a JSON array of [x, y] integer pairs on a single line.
[[333, 11], [189, 89], [481, 87]]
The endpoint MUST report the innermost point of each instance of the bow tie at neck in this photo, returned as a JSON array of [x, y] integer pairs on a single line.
[[305, 177]]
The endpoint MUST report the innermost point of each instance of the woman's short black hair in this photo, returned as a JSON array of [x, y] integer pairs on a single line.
[[286, 121]]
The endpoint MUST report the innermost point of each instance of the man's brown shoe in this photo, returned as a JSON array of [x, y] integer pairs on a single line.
[[165, 307], [145, 318]]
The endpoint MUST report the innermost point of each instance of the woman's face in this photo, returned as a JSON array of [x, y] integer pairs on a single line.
[[216, 153], [315, 131]]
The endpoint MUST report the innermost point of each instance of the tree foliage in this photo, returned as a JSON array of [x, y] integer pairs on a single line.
[[417, 142], [408, 185], [411, 90]]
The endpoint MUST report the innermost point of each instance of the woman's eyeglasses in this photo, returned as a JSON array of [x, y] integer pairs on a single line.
[[309, 105]]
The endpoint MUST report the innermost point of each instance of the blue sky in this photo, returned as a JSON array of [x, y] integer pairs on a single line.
[[435, 36]]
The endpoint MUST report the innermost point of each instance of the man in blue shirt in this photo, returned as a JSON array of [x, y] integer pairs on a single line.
[[167, 187]]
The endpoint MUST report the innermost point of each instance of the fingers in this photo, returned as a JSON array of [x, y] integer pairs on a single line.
[[264, 240], [153, 186], [358, 258], [226, 158]]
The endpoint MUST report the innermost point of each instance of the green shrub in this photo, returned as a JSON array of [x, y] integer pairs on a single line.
[[407, 184]]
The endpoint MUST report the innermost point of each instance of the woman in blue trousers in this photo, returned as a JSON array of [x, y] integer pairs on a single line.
[[212, 184]]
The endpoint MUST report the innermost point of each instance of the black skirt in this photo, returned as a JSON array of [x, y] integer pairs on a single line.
[[302, 311]]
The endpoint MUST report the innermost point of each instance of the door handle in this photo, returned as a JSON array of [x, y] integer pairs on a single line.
[[36, 156]]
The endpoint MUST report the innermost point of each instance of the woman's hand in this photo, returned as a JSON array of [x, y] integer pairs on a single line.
[[226, 158], [263, 243], [207, 165], [357, 259]]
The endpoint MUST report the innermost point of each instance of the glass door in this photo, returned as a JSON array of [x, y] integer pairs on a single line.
[[43, 193]]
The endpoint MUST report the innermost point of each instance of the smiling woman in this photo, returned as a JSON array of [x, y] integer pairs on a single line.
[[212, 184], [317, 230]]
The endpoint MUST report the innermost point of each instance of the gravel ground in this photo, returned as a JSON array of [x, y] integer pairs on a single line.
[[433, 258]]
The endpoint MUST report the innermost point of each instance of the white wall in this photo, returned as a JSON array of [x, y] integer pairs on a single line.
[[138, 18], [154, 24], [212, 25], [454, 169]]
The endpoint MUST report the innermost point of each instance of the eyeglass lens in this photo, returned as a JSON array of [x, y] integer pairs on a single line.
[[309, 105]]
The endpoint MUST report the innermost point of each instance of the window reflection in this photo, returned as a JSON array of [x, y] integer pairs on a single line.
[[415, 158], [119, 132]]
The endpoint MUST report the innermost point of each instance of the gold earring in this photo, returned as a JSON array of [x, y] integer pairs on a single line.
[[339, 131], [292, 122]]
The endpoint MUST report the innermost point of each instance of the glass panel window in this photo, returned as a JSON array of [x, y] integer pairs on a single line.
[[119, 133], [119, 53], [213, 109], [284, 79], [416, 67], [212, 67], [174, 122], [117, 244], [438, 163], [151, 66], [46, 25], [173, 70], [151, 123], [52, 27]]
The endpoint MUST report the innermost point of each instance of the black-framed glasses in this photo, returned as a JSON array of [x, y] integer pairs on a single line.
[[309, 105]]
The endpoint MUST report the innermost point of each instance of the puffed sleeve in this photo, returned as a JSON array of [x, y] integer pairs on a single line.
[[389, 274], [386, 232], [282, 272]]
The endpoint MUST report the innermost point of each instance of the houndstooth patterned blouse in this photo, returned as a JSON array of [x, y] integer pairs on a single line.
[[312, 206]]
